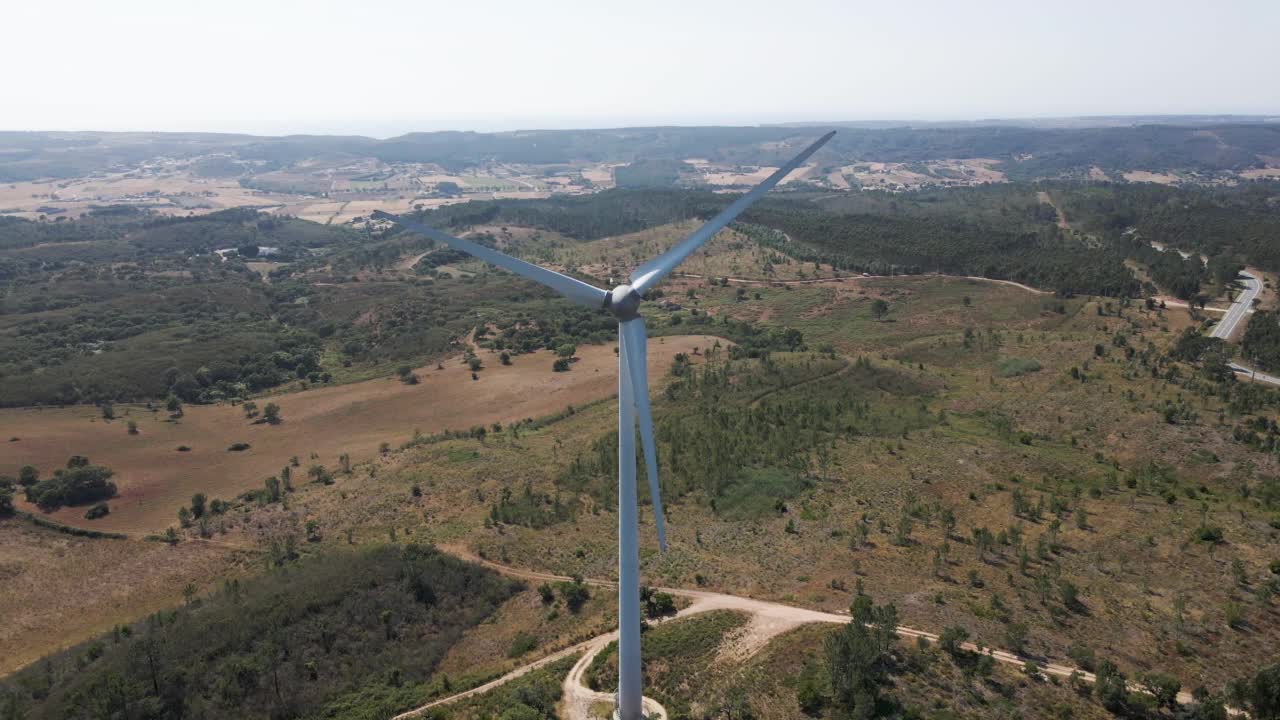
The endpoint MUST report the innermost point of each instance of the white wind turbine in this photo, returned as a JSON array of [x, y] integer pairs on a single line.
[[633, 399]]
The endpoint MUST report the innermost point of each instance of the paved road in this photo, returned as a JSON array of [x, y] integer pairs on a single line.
[[1254, 375], [1240, 309]]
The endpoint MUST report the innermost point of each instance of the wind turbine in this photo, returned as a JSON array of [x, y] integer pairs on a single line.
[[633, 399]]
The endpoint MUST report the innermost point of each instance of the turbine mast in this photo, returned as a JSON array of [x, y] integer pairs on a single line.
[[629, 699]]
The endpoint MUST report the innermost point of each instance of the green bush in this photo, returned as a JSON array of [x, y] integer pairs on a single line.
[[97, 511]]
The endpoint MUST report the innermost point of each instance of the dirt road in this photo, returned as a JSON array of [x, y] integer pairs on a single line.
[[815, 281], [768, 620]]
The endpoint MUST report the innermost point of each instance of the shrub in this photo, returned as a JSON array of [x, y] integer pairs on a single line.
[[560, 365], [97, 511], [1209, 534], [546, 593], [238, 447], [952, 638], [575, 594]]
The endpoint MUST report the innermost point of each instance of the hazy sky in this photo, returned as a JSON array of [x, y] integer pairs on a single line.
[[384, 67]]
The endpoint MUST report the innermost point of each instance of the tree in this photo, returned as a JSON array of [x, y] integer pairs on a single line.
[[6, 498], [810, 691], [505, 358], [560, 365], [1260, 693], [271, 414], [857, 659], [879, 308], [1015, 636], [133, 427], [28, 475], [575, 594], [250, 409], [1163, 688], [475, 364], [1110, 687], [952, 638], [546, 593], [198, 505]]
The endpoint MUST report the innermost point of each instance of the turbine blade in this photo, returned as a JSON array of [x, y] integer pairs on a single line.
[[576, 290], [633, 347], [648, 274]]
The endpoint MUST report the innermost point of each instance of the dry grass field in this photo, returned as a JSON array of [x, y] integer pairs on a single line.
[[155, 479], [57, 590]]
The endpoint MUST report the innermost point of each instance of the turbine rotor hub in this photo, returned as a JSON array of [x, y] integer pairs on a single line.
[[623, 302]]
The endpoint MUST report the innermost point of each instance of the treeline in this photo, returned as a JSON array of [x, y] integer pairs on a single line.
[[351, 634]]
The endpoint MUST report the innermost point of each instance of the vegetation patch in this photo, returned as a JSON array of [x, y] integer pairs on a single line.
[[674, 655], [1014, 366]]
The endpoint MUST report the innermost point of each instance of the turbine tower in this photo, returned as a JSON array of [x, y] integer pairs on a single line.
[[633, 399]]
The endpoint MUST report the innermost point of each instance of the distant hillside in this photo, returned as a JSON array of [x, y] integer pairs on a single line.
[[1026, 149]]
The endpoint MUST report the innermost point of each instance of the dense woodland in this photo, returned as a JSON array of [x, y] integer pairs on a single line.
[[353, 634], [1241, 223]]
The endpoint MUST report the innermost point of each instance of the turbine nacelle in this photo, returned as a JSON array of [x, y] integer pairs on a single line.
[[623, 302]]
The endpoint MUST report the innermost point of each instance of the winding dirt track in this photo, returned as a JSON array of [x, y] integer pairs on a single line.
[[768, 620], [846, 278]]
